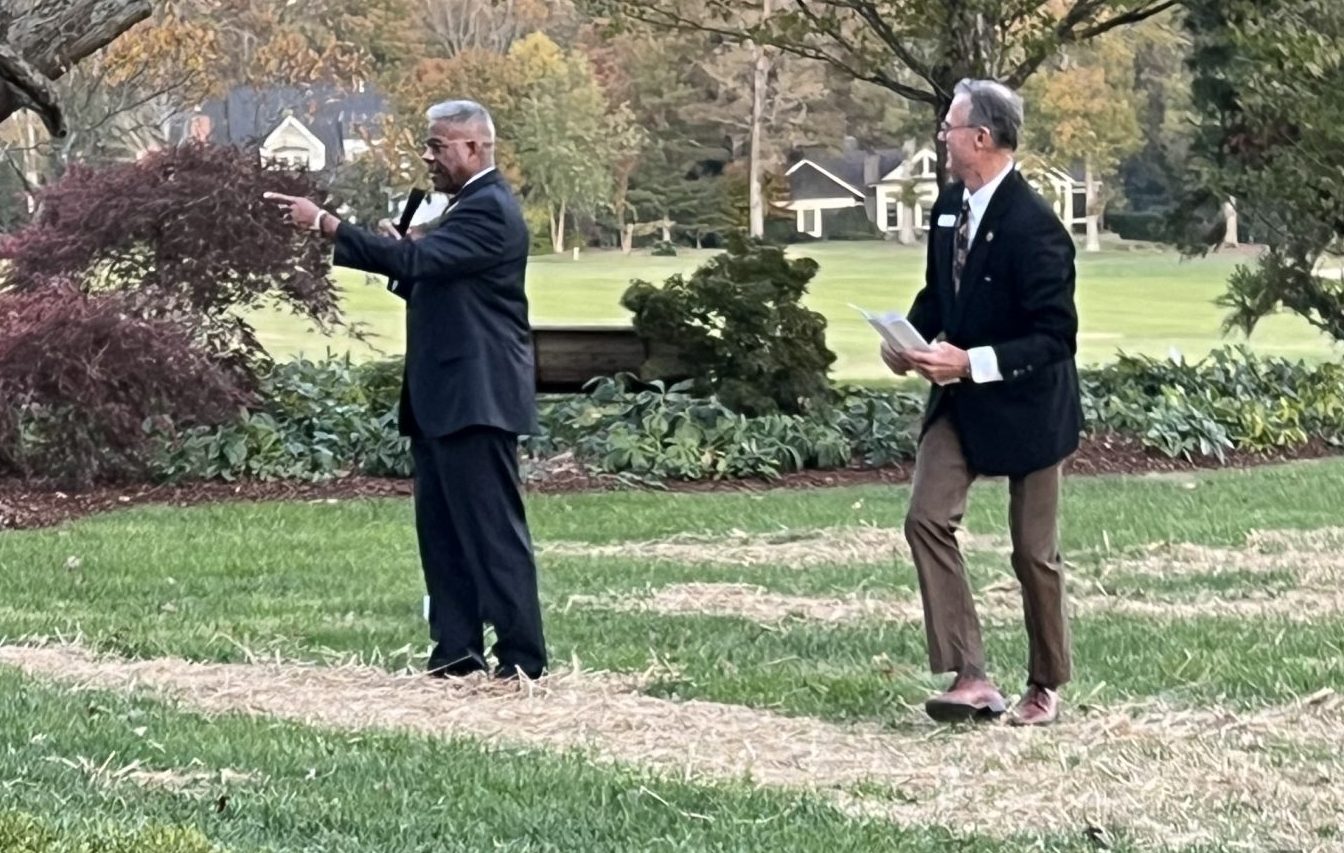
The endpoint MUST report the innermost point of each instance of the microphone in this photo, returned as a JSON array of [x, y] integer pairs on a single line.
[[404, 223], [408, 212]]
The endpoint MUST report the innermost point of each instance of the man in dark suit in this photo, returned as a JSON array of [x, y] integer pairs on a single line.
[[999, 300], [467, 394]]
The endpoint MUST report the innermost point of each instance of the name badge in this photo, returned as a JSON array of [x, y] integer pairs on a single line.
[[947, 220]]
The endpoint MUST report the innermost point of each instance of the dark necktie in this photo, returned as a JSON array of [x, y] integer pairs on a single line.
[[963, 245]]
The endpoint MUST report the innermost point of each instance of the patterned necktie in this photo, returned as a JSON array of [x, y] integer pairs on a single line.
[[963, 245]]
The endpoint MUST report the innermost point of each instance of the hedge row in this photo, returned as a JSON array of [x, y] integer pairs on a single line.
[[331, 418]]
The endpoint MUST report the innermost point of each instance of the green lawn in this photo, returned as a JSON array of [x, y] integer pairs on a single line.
[[1135, 300], [334, 580]]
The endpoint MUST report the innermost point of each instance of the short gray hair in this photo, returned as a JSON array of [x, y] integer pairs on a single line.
[[463, 112], [995, 107]]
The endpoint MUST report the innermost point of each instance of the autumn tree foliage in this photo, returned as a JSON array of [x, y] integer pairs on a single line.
[[84, 377], [184, 233], [122, 304]]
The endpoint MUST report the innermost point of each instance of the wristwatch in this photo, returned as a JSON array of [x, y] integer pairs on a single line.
[[317, 220]]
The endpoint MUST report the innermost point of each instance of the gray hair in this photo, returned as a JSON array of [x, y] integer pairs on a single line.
[[995, 107], [463, 113]]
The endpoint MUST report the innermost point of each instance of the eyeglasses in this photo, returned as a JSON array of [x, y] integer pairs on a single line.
[[437, 145], [944, 128]]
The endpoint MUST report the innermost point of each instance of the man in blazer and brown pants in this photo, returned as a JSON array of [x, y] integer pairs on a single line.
[[999, 296]]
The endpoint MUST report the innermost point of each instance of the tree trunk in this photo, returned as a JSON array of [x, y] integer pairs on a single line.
[[30, 162], [46, 37], [907, 234], [1093, 211], [628, 238], [939, 145], [1230, 237], [760, 87], [558, 229], [667, 229]]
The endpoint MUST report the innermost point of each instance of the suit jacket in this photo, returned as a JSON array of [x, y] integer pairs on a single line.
[[469, 355], [1017, 296]]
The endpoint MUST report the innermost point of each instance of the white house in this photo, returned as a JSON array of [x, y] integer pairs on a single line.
[[315, 127], [897, 192], [294, 144]]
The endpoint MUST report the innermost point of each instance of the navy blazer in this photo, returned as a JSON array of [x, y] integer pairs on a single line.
[[469, 358], [1017, 296]]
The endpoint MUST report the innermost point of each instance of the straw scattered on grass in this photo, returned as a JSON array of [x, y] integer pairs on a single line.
[[796, 548], [1159, 773]]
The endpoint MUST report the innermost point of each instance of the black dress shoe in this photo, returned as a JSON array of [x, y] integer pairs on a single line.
[[442, 667], [511, 673]]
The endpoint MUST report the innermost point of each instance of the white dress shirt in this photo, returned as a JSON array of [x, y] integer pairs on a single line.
[[984, 361]]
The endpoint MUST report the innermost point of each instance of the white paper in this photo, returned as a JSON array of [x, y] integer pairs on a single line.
[[895, 330], [898, 332], [947, 220]]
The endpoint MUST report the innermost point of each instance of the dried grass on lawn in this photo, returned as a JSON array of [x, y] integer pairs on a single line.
[[193, 780], [1165, 775], [1312, 556], [796, 548], [999, 603]]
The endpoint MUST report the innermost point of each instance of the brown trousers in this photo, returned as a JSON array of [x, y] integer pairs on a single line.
[[942, 480]]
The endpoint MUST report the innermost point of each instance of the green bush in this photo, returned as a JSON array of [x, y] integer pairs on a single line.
[[737, 324], [538, 220], [665, 433], [328, 419], [1150, 225], [318, 420], [1231, 399], [664, 249], [848, 223]]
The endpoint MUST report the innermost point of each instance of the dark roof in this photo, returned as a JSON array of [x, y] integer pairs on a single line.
[[247, 115], [849, 166]]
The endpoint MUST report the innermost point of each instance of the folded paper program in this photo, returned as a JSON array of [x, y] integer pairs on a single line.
[[895, 330]]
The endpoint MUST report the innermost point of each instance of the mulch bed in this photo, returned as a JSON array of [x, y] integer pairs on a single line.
[[25, 505]]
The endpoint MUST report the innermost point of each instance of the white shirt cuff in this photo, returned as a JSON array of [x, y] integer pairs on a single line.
[[984, 365]]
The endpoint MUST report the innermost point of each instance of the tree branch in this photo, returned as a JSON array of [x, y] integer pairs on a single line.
[[1066, 31], [659, 18], [1133, 16], [868, 13], [35, 90], [53, 35]]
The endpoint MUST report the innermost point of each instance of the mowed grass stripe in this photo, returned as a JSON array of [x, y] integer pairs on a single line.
[[351, 791], [1020, 787]]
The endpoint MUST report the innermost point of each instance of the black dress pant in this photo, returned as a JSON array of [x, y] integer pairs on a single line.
[[476, 552]]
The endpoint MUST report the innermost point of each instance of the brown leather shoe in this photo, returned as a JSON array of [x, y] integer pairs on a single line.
[[1039, 707], [968, 699]]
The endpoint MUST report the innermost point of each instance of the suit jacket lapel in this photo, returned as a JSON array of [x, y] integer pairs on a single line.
[[476, 186], [454, 201], [945, 241], [984, 235]]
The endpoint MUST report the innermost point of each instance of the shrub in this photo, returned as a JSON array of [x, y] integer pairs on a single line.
[[848, 223], [317, 420], [1150, 225], [1231, 399], [738, 327], [664, 249], [82, 375], [187, 232], [327, 419], [364, 185], [665, 433]]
